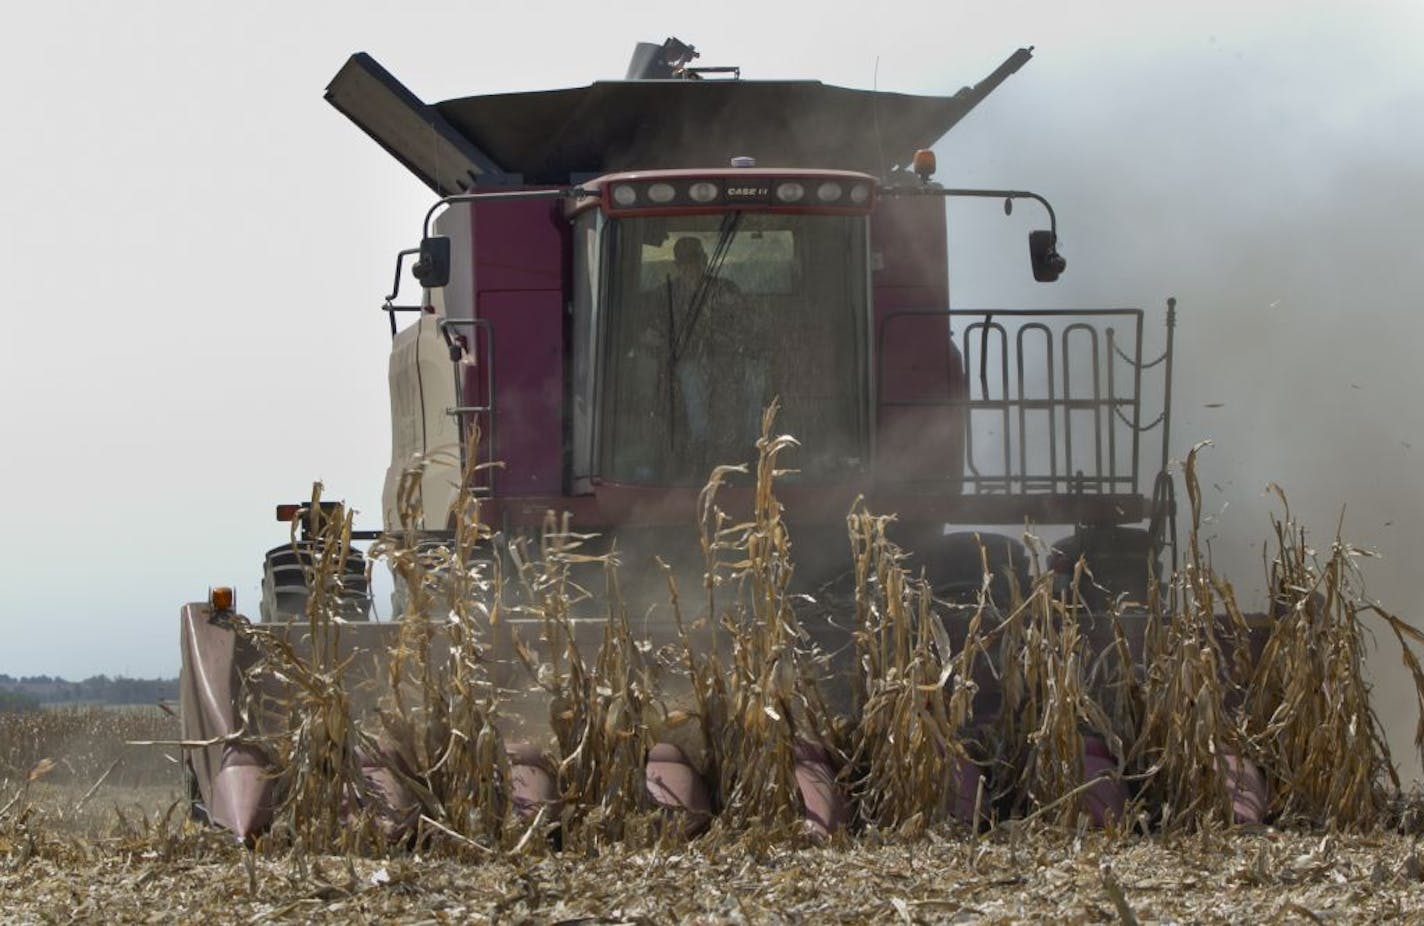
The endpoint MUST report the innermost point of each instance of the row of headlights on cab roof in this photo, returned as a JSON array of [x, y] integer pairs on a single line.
[[787, 192], [790, 192]]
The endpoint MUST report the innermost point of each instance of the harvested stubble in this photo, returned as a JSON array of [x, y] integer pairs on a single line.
[[155, 871]]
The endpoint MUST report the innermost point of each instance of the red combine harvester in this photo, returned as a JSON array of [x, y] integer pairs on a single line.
[[618, 278]]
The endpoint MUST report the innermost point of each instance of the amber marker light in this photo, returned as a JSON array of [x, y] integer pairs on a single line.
[[221, 598], [924, 163]]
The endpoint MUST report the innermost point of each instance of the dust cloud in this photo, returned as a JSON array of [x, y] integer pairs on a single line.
[[1281, 206]]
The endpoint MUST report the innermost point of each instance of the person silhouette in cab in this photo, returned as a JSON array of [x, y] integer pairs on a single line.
[[709, 326]]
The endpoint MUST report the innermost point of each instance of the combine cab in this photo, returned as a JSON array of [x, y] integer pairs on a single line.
[[616, 279]]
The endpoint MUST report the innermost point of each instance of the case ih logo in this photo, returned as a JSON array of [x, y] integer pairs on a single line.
[[748, 192]]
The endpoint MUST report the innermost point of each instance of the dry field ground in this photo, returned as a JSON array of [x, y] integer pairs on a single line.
[[124, 851]]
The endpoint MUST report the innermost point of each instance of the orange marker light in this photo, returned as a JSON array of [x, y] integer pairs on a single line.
[[285, 513], [221, 598], [924, 163]]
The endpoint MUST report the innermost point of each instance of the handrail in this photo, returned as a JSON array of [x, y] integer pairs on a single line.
[[1076, 432], [460, 409]]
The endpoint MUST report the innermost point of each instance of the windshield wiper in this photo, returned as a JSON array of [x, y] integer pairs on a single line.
[[671, 363], [704, 283]]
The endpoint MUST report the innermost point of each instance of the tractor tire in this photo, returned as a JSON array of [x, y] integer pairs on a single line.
[[436, 570], [286, 572], [1122, 561], [957, 567]]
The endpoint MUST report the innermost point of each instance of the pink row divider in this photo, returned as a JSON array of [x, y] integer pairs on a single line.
[[1105, 799], [1250, 794], [675, 786], [400, 809], [242, 791], [826, 806], [968, 778], [531, 781]]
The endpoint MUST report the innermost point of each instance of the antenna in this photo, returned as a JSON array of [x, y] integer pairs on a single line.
[[875, 110]]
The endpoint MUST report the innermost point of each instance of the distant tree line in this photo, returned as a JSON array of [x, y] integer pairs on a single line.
[[35, 690], [12, 702]]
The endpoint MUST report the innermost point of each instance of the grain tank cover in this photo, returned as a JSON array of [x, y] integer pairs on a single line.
[[553, 136], [654, 124]]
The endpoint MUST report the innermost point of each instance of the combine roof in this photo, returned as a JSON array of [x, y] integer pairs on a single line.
[[553, 136]]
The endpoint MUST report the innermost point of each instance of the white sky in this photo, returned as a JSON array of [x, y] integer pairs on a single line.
[[195, 245]]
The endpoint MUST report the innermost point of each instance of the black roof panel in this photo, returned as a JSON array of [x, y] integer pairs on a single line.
[[551, 136], [628, 125]]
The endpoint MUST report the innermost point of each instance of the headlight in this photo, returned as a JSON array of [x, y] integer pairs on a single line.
[[703, 191], [829, 192], [790, 192], [625, 195], [661, 193], [860, 193]]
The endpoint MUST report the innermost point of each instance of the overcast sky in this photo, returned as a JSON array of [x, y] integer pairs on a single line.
[[194, 247]]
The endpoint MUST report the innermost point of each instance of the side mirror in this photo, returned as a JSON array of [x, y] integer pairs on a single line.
[[1048, 264], [432, 269]]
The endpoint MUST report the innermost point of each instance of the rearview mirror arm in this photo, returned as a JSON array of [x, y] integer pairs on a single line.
[[572, 192], [1008, 196]]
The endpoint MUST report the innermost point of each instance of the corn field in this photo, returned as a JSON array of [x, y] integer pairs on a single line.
[[526, 646], [84, 743]]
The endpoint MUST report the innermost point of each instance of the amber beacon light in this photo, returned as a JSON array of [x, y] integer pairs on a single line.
[[221, 598]]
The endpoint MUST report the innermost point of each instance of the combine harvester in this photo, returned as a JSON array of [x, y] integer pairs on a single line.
[[617, 278]]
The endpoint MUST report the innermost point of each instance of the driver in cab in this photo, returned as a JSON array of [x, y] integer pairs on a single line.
[[705, 329]]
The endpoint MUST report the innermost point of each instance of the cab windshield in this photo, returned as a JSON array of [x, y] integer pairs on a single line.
[[710, 317]]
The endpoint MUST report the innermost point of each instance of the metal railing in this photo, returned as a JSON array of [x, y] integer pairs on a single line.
[[479, 417], [1052, 399]]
